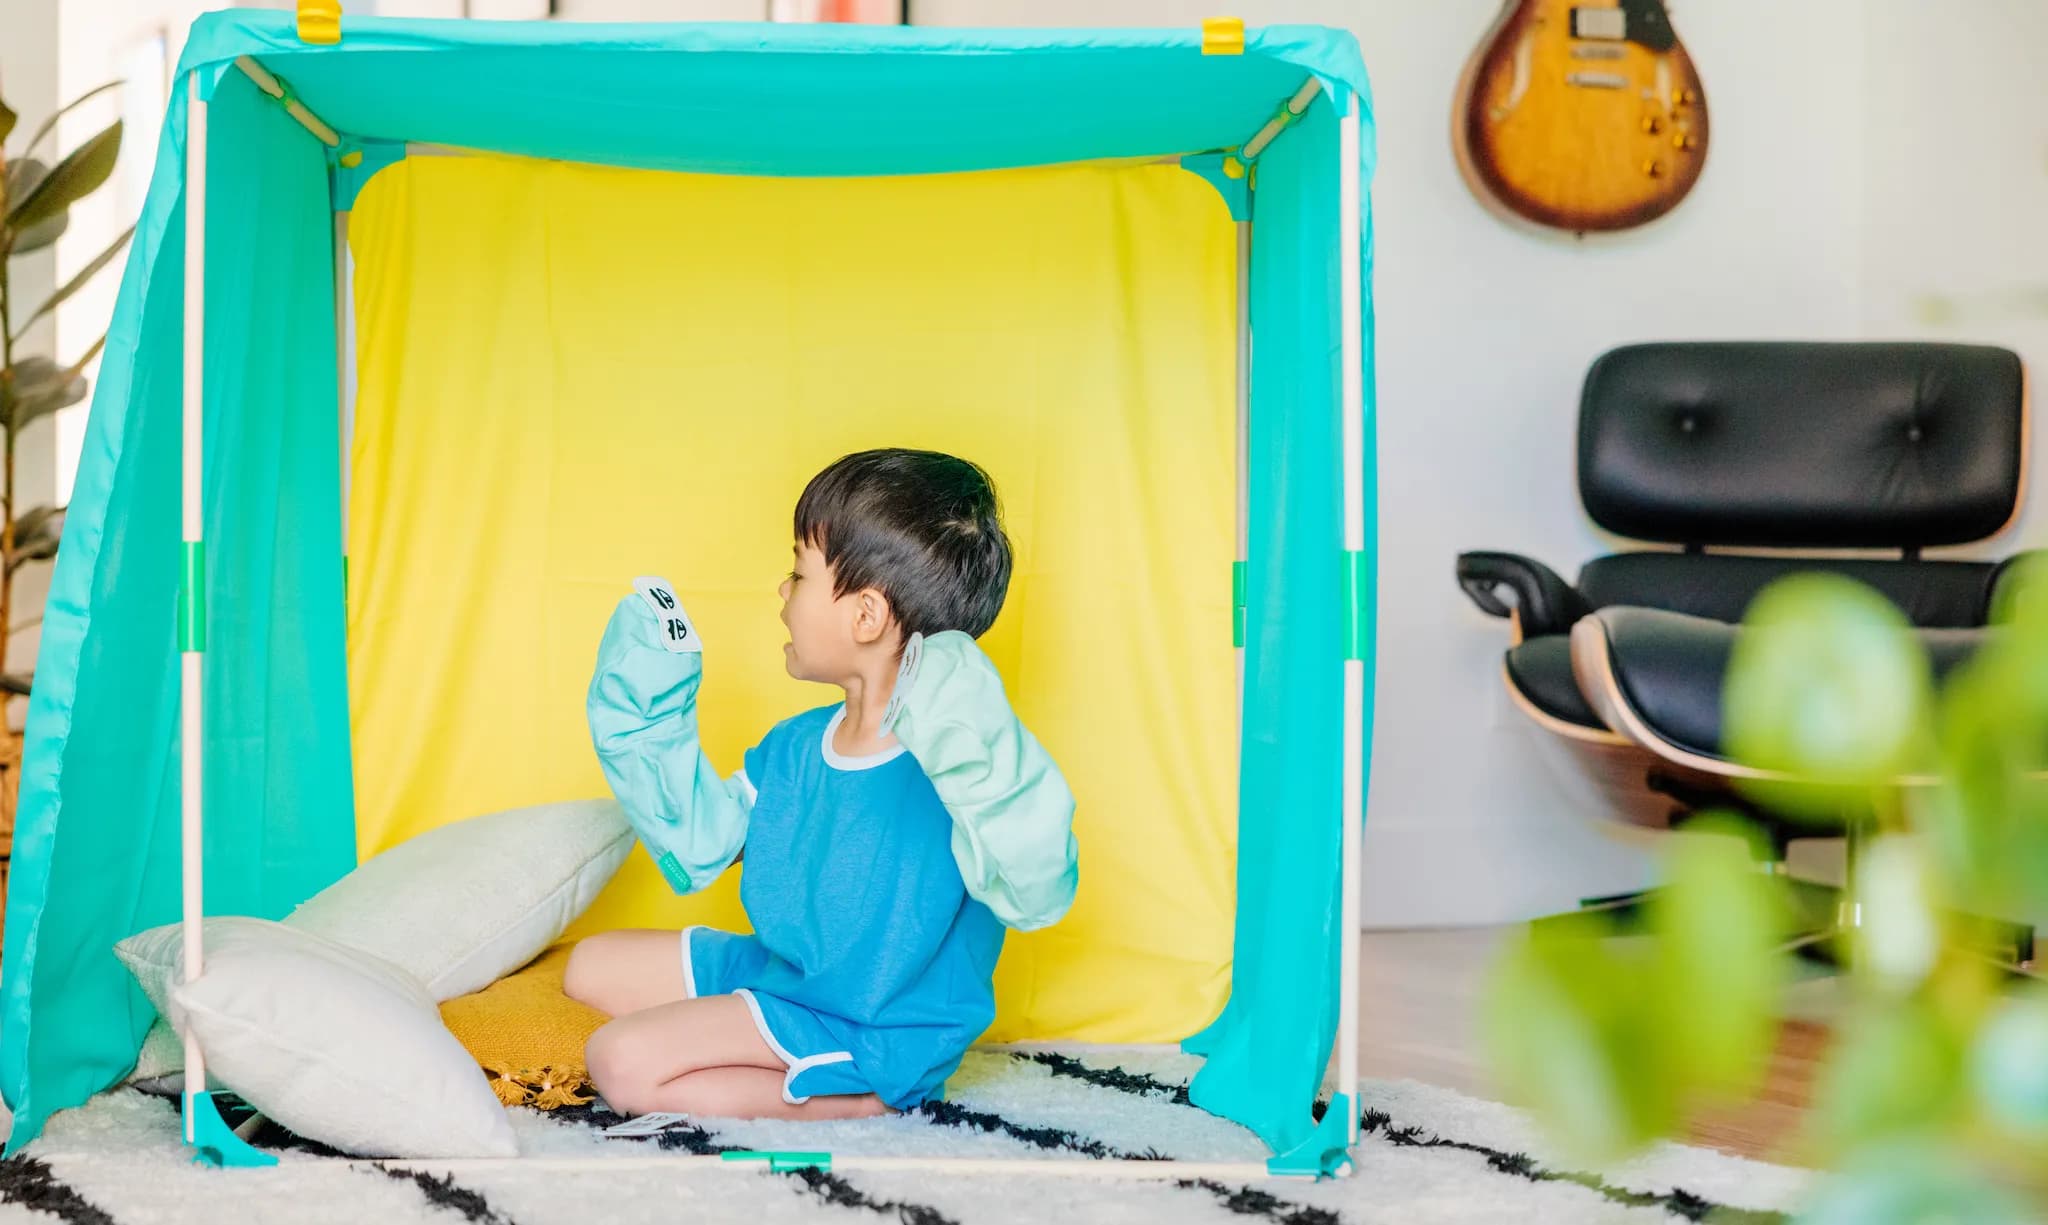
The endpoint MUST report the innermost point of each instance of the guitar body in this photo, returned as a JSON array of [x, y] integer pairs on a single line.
[[1581, 115]]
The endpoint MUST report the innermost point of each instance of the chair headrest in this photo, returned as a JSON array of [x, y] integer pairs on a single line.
[[1795, 445]]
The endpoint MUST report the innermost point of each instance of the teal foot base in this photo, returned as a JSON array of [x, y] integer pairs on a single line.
[[213, 1142], [1327, 1151]]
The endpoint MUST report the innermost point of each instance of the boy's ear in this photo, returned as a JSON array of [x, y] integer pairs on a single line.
[[872, 615]]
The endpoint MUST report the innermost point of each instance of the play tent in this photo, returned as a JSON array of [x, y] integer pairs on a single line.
[[496, 315]]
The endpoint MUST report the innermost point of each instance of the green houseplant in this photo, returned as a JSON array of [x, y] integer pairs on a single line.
[[1931, 1103]]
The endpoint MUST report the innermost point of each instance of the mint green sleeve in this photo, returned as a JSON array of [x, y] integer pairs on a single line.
[[1013, 816], [642, 707]]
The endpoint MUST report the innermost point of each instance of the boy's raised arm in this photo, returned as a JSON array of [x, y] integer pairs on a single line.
[[642, 707]]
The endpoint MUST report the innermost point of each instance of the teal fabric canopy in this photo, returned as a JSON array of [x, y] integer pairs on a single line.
[[787, 99], [97, 843]]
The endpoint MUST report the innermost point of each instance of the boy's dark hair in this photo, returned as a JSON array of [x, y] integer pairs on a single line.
[[921, 527]]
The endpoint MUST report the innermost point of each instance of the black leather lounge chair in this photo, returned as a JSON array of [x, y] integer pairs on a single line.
[[1747, 462]]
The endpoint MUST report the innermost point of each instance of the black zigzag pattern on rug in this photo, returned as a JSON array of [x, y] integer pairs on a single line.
[[444, 1193], [28, 1181], [1243, 1200], [1678, 1201], [1052, 1139], [832, 1188]]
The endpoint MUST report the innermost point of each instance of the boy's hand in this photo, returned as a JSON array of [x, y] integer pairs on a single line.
[[678, 635], [642, 708], [649, 663]]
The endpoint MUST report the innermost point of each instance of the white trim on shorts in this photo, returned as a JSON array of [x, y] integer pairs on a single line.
[[797, 1067]]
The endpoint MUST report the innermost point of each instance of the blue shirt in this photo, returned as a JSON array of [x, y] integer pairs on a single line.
[[870, 969]]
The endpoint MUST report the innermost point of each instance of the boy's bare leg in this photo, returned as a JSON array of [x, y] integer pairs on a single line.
[[625, 971], [756, 1093], [704, 1057]]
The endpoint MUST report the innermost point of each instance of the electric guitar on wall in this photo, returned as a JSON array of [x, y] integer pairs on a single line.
[[1581, 116]]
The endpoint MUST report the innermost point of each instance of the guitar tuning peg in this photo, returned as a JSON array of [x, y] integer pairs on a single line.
[[1652, 125], [1682, 140]]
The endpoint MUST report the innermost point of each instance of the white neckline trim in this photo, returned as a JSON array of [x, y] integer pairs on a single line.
[[840, 761]]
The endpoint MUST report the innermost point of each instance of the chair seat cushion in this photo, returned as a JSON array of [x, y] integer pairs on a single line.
[[1932, 594], [1671, 667], [1541, 669]]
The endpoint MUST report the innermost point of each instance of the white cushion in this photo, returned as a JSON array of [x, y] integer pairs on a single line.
[[466, 904], [457, 907], [335, 1044]]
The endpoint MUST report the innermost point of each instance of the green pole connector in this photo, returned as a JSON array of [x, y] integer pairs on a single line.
[[1239, 585], [192, 599], [782, 1162], [1357, 605]]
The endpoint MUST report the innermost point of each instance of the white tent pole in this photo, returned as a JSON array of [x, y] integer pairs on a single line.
[[1244, 401], [344, 360], [269, 84], [1352, 321], [1079, 1168], [191, 745], [1295, 106]]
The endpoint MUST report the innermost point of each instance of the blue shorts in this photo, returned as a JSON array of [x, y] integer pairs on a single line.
[[816, 1051]]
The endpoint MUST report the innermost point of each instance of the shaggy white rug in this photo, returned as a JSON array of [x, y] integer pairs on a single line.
[[1429, 1155]]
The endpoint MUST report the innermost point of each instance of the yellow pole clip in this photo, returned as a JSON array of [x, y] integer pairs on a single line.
[[320, 21], [1223, 36]]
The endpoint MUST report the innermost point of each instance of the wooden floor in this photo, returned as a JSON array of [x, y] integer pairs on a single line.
[[1420, 993]]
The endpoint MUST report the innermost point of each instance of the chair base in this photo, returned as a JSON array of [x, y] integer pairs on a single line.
[[1826, 920]]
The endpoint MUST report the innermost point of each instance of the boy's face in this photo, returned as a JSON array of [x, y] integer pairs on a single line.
[[828, 634]]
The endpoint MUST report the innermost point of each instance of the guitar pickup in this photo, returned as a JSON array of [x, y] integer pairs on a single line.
[[1610, 24]]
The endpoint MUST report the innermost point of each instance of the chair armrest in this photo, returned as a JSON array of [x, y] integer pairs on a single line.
[[1546, 603]]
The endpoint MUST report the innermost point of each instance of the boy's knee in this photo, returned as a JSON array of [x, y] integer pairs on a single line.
[[583, 979], [608, 1057]]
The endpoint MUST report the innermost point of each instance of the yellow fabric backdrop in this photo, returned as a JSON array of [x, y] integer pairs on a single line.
[[571, 375]]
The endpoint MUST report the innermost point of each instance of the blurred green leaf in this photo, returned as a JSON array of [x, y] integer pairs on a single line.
[[70, 181], [50, 124], [1989, 818], [23, 173], [2009, 1065], [42, 234], [1901, 934], [77, 282], [38, 520], [2020, 597], [36, 536], [1564, 1023], [1911, 1185], [36, 386], [1895, 1071], [1828, 684], [1715, 927], [21, 177], [7, 120]]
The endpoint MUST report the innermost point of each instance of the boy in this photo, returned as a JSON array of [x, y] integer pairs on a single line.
[[888, 838]]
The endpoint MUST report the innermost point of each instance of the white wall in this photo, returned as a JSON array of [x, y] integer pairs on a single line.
[[1864, 152], [1956, 175]]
